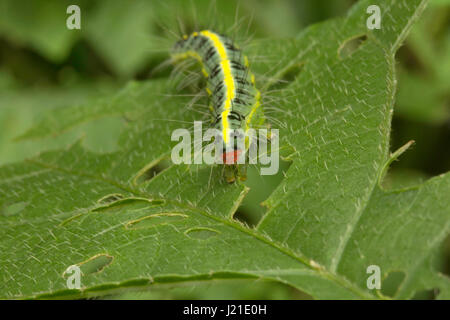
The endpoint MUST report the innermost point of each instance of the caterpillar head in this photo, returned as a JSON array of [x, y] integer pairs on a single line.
[[234, 148], [231, 157]]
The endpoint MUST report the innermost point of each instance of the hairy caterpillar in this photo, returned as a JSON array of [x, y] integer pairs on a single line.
[[234, 100]]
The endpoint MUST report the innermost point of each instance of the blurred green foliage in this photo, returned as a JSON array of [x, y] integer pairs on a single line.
[[44, 65]]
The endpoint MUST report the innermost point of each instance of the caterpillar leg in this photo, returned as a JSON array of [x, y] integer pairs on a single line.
[[230, 173], [235, 171], [242, 172]]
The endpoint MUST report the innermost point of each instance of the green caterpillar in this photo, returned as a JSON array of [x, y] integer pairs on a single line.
[[234, 99]]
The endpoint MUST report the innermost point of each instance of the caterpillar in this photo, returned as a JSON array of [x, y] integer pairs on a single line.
[[234, 100]]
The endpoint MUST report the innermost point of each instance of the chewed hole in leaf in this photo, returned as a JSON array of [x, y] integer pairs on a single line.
[[201, 233], [136, 203], [426, 294], [410, 60], [288, 76], [155, 220], [110, 198], [244, 217], [392, 282], [13, 209], [254, 206], [350, 46], [94, 264], [152, 170]]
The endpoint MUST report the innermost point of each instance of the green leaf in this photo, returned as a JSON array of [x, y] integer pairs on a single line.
[[328, 220], [19, 107]]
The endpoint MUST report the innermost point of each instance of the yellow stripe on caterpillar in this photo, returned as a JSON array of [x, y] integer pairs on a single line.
[[228, 80]]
